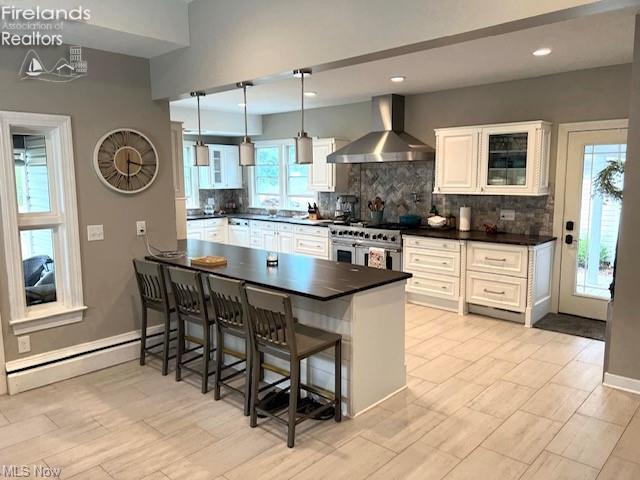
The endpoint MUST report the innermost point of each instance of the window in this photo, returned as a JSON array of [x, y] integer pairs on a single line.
[[277, 181], [39, 216], [191, 188]]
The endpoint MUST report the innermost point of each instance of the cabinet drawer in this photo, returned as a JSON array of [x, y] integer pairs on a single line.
[[311, 231], [432, 243], [214, 222], [195, 224], [285, 227], [314, 246], [434, 261], [218, 235], [443, 286], [499, 291], [497, 258]]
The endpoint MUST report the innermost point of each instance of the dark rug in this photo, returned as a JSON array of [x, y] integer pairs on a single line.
[[572, 325]]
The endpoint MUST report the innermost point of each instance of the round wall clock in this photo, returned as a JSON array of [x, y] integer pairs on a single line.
[[126, 160]]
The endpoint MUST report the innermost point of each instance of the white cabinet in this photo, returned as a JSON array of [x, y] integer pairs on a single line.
[[272, 236], [457, 160], [311, 241], [503, 159], [323, 176], [210, 230], [285, 242], [224, 170], [239, 233]]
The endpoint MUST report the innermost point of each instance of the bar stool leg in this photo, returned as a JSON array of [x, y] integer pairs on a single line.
[[180, 349], [338, 381], [165, 346], [206, 353], [143, 337], [219, 362], [247, 379], [255, 384], [293, 402]]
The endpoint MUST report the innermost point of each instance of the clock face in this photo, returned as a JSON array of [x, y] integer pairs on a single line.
[[126, 161]]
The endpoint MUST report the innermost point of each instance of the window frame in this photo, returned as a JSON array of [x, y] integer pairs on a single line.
[[62, 219], [283, 183], [192, 201]]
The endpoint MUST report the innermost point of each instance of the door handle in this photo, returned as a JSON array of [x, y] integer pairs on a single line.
[[568, 239]]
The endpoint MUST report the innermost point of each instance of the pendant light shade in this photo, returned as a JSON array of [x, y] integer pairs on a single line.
[[200, 150], [304, 143], [247, 148]]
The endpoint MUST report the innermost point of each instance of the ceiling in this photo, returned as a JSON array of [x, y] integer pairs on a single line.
[[586, 42]]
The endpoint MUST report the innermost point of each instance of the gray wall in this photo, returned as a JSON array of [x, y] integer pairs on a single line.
[[594, 94], [115, 93], [623, 346]]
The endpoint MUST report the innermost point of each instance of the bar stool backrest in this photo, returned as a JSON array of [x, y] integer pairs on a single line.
[[152, 286], [227, 301], [270, 319], [188, 292]]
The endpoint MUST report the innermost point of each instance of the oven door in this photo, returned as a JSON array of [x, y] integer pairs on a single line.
[[393, 258], [343, 252]]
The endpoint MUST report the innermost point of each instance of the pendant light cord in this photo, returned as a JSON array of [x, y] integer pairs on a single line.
[[302, 98], [199, 129], [246, 130]]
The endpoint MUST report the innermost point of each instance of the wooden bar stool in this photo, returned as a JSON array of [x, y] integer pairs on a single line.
[[227, 304], [191, 305], [154, 295], [273, 331]]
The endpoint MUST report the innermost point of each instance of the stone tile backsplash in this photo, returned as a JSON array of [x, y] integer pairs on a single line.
[[400, 184]]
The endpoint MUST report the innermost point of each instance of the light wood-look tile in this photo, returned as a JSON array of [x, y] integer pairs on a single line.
[[486, 371], [593, 354], [418, 462], [523, 436], [560, 352], [433, 347], [97, 473], [413, 361], [3, 420], [466, 331], [584, 376], [474, 349], [515, 351], [156, 476], [487, 465], [611, 405], [532, 373], [550, 466], [337, 434], [501, 332], [619, 469], [627, 447], [440, 369], [557, 402], [586, 440], [25, 430], [356, 460], [535, 335], [461, 432], [502, 399], [450, 396], [416, 387]]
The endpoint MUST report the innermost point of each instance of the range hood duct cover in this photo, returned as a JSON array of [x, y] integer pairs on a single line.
[[388, 141]]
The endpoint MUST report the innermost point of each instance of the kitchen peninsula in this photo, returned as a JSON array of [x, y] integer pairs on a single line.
[[364, 305]]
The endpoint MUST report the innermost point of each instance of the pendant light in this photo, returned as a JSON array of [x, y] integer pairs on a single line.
[[247, 149], [200, 150], [304, 143]]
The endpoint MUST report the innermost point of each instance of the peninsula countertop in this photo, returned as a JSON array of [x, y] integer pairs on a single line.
[[295, 274]]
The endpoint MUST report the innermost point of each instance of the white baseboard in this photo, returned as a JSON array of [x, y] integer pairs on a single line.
[[631, 385], [50, 367]]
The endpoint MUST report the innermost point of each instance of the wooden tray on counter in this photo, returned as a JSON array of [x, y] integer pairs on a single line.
[[209, 261]]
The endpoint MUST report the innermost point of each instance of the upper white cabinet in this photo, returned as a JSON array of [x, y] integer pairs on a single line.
[[224, 170], [505, 159], [323, 176]]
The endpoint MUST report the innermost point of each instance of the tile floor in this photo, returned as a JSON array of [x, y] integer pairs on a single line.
[[486, 400]]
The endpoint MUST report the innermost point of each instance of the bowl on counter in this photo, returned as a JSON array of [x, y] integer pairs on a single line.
[[410, 220]]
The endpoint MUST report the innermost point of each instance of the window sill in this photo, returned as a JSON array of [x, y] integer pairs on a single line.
[[47, 318]]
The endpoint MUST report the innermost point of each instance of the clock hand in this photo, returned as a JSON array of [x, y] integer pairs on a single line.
[[135, 163]]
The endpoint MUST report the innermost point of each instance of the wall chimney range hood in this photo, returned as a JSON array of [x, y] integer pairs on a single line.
[[388, 141]]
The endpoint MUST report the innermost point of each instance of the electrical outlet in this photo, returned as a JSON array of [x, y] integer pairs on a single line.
[[24, 344], [141, 228], [95, 233], [507, 215]]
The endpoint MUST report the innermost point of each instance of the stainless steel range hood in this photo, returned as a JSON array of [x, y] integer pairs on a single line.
[[388, 141]]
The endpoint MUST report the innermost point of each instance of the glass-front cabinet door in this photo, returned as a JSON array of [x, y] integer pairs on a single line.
[[514, 159]]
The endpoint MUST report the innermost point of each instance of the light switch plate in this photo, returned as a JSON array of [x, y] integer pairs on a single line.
[[95, 233], [508, 215], [24, 344], [141, 228]]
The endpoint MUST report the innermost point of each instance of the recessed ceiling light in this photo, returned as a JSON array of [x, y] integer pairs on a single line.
[[541, 52], [398, 78], [310, 94], [242, 104]]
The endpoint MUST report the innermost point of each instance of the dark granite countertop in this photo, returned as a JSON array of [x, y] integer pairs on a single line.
[[295, 274], [480, 236], [265, 218]]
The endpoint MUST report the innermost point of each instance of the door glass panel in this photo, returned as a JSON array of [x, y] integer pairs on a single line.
[[217, 167], [599, 222], [507, 159], [32, 175], [38, 266]]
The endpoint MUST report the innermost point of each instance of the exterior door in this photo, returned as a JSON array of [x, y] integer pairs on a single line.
[[590, 228]]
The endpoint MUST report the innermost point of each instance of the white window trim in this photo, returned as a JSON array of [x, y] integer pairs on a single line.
[[70, 305], [284, 194]]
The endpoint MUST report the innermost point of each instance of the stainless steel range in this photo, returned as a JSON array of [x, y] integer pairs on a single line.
[[351, 244]]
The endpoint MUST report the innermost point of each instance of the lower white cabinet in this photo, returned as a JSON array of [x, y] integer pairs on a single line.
[[311, 241], [497, 291], [211, 230]]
